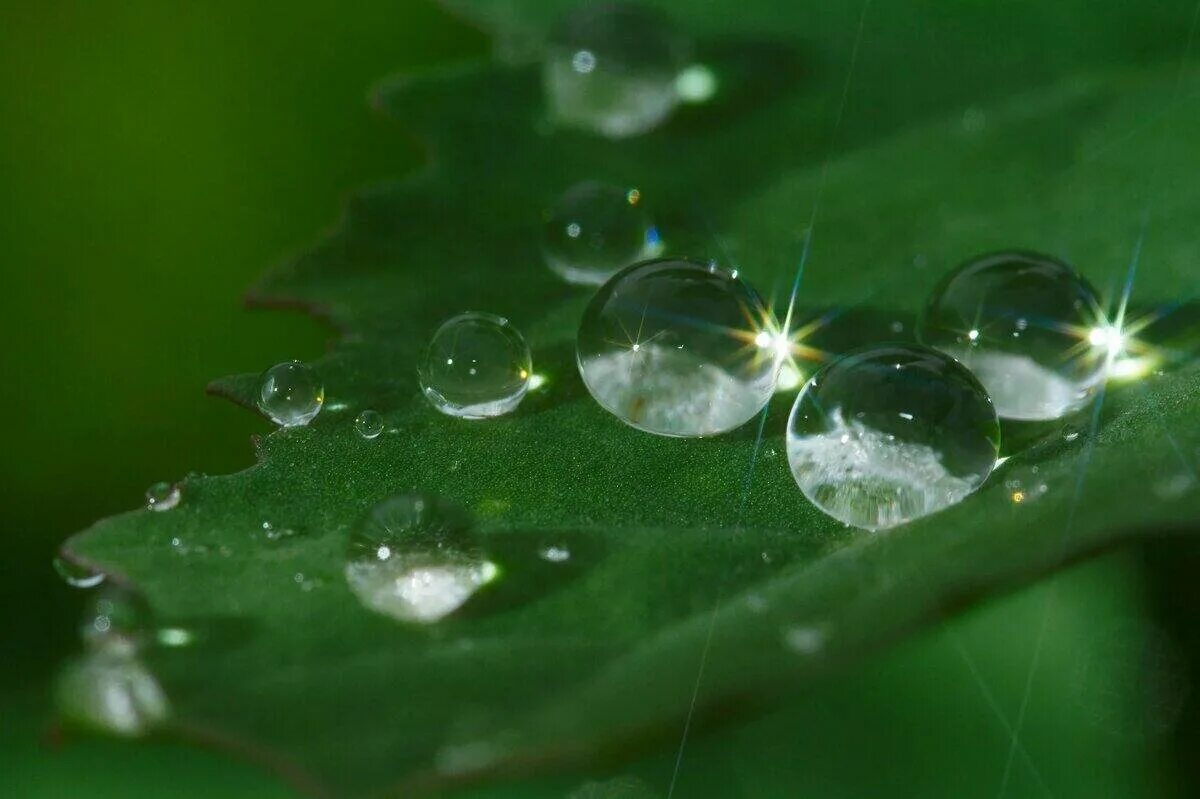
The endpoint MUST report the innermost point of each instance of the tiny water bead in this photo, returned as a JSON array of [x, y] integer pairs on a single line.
[[678, 348], [162, 496], [369, 424], [596, 229], [291, 394], [115, 620], [888, 434], [1029, 327], [411, 559], [611, 68], [477, 366]]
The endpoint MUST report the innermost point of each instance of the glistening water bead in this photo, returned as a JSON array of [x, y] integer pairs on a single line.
[[1029, 327], [596, 229], [888, 434], [291, 394], [678, 348], [477, 365], [412, 559], [611, 69], [369, 424]]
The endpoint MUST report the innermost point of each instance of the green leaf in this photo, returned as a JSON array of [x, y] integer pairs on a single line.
[[684, 552]]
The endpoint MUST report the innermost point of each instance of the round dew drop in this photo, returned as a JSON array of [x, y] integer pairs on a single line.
[[413, 559], [594, 230], [291, 394], [611, 69], [678, 348], [369, 424], [476, 366], [889, 434], [1029, 327]]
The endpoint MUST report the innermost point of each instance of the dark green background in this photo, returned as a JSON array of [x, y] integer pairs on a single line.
[[154, 160]]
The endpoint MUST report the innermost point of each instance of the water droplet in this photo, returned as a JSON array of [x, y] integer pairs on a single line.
[[594, 230], [369, 424], [856, 458], [611, 68], [113, 693], [555, 554], [162, 496], [411, 559], [77, 575], [276, 534], [670, 347], [1026, 325], [804, 640], [619, 788], [1175, 486], [696, 84], [476, 366], [291, 394], [115, 620]]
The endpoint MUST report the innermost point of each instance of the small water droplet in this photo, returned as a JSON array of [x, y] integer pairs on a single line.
[[162, 496], [668, 347], [555, 554], [276, 534], [291, 394], [369, 424], [859, 460], [611, 68], [77, 575], [113, 693], [476, 366], [594, 230], [1023, 323], [412, 559], [1175, 486], [804, 640], [618, 788]]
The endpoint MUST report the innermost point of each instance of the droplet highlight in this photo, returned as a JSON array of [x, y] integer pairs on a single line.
[[1031, 329], [678, 348], [889, 434], [596, 229], [369, 424], [291, 394], [476, 366], [611, 69], [112, 693]]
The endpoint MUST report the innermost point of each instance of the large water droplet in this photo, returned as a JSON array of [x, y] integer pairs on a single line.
[[162, 496], [596, 229], [411, 559], [111, 692], [291, 394], [1029, 327], [611, 69], [369, 424], [477, 365], [678, 348], [77, 575], [888, 434]]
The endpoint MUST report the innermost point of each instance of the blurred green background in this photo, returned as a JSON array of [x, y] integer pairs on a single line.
[[154, 159]]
